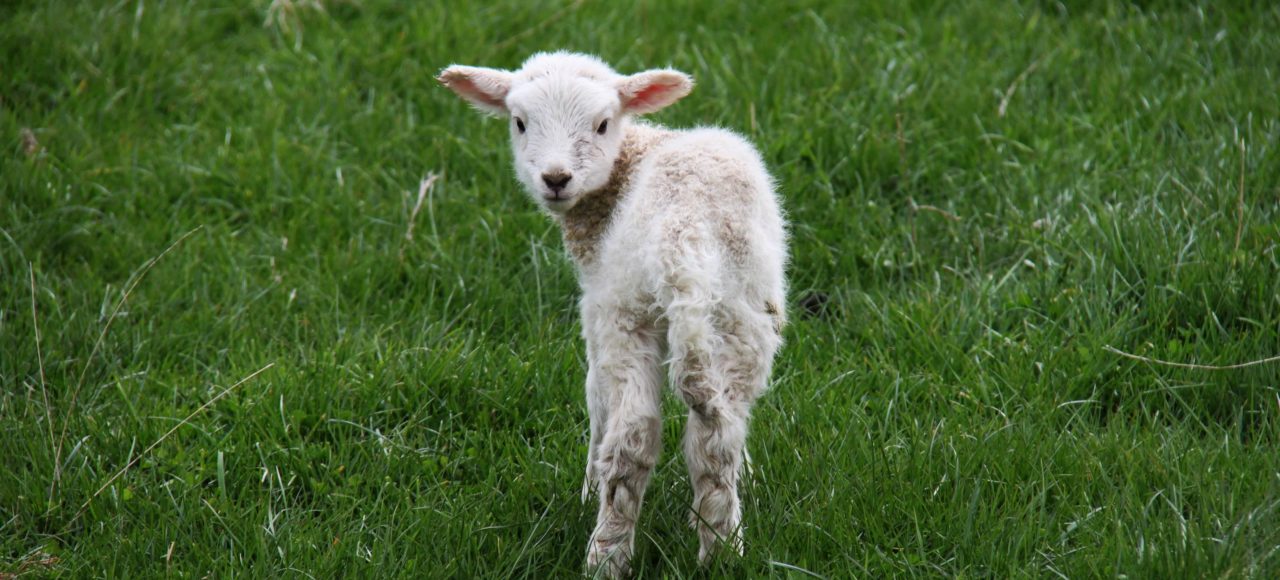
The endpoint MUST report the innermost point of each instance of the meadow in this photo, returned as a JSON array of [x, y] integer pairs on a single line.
[[1035, 290]]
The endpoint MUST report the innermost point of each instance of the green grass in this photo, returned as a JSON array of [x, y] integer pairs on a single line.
[[953, 412]]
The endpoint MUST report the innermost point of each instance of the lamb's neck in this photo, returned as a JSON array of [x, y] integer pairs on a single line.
[[585, 224]]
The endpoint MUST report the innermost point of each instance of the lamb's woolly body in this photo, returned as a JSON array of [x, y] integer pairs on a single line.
[[680, 256]]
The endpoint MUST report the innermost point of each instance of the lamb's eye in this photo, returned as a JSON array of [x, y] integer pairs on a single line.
[[604, 126], [519, 125]]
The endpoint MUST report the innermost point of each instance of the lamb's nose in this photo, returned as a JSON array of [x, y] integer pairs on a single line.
[[556, 180]]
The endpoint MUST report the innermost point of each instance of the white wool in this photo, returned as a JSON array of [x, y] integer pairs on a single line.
[[681, 248]]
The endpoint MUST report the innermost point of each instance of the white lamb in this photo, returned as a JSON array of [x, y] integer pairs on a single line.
[[680, 247]]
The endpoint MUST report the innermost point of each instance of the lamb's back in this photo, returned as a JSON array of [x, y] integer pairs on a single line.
[[702, 200]]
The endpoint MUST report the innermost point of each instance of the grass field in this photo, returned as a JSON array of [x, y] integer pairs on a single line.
[[992, 195]]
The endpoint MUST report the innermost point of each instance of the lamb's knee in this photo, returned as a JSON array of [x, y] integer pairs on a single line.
[[722, 400], [716, 442], [630, 448], [696, 391]]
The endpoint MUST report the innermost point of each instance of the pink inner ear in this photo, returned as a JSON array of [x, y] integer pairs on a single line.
[[650, 96], [463, 85]]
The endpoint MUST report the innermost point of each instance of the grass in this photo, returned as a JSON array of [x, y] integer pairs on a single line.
[[990, 194]]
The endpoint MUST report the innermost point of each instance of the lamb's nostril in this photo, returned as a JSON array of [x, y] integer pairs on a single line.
[[556, 180]]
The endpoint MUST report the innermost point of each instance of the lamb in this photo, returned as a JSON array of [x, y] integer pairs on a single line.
[[680, 247]]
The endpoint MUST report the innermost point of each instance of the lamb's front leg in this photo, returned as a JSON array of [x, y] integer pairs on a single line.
[[625, 386], [597, 414]]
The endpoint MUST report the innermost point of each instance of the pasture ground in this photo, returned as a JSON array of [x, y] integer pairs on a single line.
[[989, 195]]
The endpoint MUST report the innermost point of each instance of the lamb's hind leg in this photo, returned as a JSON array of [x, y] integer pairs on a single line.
[[720, 390], [627, 384], [714, 443]]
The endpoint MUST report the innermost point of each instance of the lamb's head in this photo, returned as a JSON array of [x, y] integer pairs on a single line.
[[568, 113]]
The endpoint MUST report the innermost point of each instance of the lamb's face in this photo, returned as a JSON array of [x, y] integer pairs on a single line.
[[568, 113], [566, 132]]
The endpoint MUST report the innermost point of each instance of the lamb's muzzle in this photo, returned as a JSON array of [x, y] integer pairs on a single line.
[[556, 181]]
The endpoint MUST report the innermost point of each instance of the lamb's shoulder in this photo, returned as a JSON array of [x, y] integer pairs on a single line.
[[706, 164]]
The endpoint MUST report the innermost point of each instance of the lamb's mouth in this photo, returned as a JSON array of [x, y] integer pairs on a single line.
[[557, 200]]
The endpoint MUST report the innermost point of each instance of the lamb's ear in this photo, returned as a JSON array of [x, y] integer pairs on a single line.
[[652, 90], [485, 88]]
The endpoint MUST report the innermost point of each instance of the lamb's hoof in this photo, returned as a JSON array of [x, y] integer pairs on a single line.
[[608, 560], [709, 550]]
